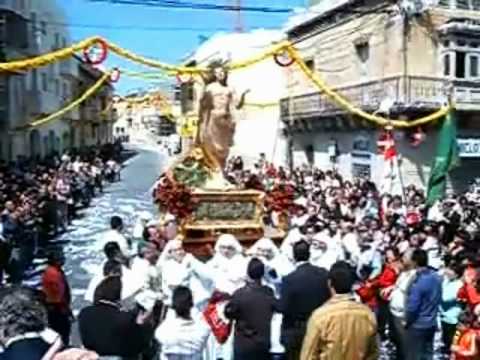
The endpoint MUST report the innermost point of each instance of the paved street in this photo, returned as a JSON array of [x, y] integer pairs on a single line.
[[126, 199], [82, 243]]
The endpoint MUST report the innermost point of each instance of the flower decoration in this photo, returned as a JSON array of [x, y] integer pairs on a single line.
[[174, 197], [283, 58], [184, 78], [97, 53], [280, 198], [115, 75]]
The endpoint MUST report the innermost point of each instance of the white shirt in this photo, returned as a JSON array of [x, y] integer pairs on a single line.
[[350, 242], [77, 165], [115, 236], [432, 247], [399, 293], [130, 284], [183, 337]]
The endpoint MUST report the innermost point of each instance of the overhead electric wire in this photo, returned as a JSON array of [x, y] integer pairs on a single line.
[[199, 6], [136, 27]]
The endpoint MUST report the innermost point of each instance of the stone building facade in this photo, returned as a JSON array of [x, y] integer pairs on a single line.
[[29, 28], [373, 52]]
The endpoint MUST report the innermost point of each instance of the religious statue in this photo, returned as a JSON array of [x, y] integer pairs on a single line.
[[217, 103]]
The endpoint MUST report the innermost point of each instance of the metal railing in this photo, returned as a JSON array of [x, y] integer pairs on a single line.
[[420, 92]]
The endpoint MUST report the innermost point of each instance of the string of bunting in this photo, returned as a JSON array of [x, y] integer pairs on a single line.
[[280, 53], [88, 93]]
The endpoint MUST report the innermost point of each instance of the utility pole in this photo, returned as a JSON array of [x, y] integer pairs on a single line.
[[239, 25]]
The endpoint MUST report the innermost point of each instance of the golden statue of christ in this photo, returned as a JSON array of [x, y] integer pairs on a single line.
[[217, 103]]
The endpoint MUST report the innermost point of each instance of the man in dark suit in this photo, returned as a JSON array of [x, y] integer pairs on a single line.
[[252, 308], [109, 331], [302, 292]]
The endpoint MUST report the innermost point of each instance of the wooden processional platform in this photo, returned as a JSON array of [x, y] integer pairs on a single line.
[[236, 212]]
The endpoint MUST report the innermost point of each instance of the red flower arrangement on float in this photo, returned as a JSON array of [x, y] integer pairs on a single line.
[[281, 198], [174, 197]]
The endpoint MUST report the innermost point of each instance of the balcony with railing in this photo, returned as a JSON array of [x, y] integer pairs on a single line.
[[412, 93]]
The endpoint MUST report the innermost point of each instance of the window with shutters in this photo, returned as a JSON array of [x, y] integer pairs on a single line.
[[446, 65], [473, 66], [44, 82], [460, 58]]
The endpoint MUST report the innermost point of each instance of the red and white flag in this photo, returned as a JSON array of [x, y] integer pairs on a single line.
[[386, 145]]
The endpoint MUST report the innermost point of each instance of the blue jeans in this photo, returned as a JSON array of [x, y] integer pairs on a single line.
[[419, 343]]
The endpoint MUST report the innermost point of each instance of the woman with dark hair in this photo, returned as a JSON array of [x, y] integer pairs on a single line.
[[108, 330], [23, 318], [184, 333]]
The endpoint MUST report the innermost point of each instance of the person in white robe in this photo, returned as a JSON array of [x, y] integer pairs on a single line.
[[327, 247], [286, 249], [148, 277], [181, 268], [141, 224], [228, 270], [228, 267], [349, 240], [277, 266], [321, 255]]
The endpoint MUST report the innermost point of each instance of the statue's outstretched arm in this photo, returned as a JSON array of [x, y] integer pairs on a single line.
[[241, 101]]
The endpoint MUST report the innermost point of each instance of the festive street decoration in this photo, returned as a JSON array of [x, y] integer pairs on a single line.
[[96, 53], [192, 171], [280, 198], [277, 51], [346, 105], [283, 58], [58, 114], [115, 75], [173, 197], [184, 78]]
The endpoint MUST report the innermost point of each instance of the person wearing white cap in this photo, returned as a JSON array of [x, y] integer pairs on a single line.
[[142, 220], [228, 271], [181, 268], [228, 266], [286, 249], [271, 256], [276, 267], [170, 226]]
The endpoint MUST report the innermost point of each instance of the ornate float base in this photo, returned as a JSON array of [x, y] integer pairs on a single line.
[[236, 212]]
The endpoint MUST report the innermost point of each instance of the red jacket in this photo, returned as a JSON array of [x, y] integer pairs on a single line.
[[370, 291], [387, 278], [468, 292], [56, 289]]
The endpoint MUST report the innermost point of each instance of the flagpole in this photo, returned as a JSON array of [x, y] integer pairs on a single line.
[[400, 178]]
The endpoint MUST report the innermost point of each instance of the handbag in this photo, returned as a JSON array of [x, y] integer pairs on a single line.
[[213, 315]]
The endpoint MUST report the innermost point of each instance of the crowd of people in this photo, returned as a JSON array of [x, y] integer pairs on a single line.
[[40, 198], [357, 269]]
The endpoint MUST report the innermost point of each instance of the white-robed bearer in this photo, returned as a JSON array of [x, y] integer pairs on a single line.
[[228, 270], [140, 224], [286, 249], [179, 268], [276, 267], [228, 266]]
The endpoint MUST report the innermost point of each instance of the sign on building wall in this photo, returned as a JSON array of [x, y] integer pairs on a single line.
[[469, 148]]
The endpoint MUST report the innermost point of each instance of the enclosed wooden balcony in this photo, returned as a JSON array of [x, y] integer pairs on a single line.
[[412, 94]]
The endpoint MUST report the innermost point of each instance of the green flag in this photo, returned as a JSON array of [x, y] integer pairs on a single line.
[[445, 160]]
